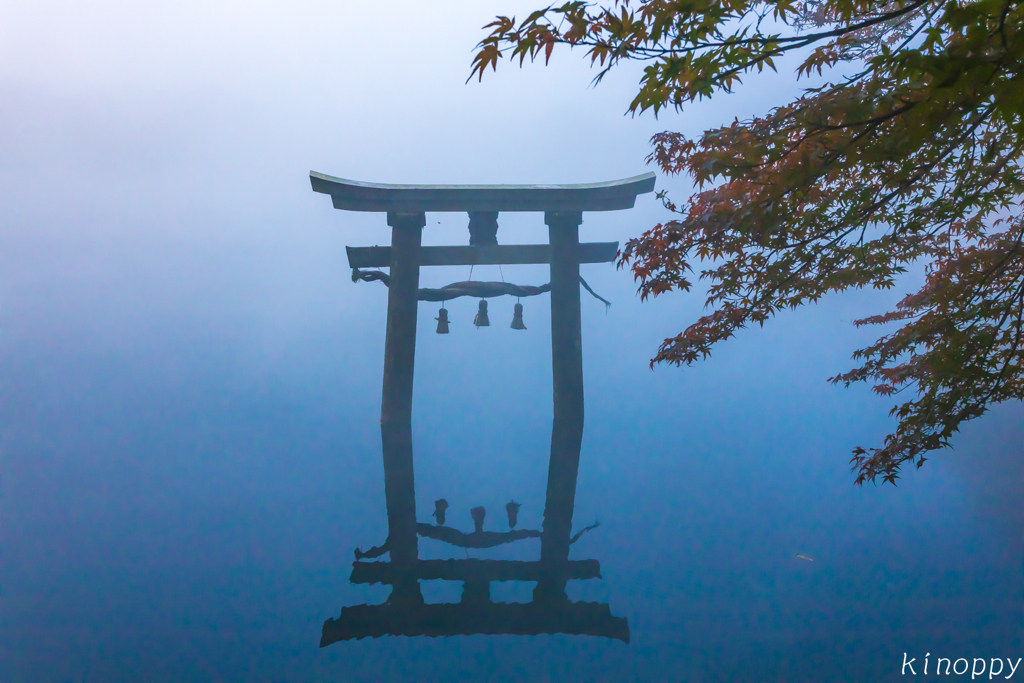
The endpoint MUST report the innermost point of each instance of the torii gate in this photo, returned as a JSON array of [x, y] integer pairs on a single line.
[[406, 206]]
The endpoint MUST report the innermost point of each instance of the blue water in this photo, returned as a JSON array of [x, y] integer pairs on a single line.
[[189, 459]]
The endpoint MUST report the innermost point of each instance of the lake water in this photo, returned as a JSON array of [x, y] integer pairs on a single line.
[[185, 484]]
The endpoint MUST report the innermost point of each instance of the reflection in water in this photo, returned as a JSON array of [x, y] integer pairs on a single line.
[[478, 515], [405, 613], [550, 611], [512, 508], [439, 508]]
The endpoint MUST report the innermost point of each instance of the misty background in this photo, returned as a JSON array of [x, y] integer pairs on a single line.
[[190, 382]]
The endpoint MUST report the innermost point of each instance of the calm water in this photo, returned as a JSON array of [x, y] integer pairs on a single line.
[[186, 477]]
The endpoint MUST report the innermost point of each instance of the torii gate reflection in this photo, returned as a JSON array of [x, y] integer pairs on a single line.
[[550, 611]]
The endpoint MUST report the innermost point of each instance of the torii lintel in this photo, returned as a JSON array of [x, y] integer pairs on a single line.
[[354, 195]]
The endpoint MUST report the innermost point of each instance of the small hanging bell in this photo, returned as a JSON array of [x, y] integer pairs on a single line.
[[512, 508], [439, 509], [442, 321], [478, 514], [481, 319], [517, 318]]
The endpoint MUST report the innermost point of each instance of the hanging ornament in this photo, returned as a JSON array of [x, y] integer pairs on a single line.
[[517, 317], [481, 319], [439, 508], [478, 518], [512, 508], [442, 320]]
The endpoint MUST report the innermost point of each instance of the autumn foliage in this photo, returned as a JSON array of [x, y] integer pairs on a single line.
[[913, 154]]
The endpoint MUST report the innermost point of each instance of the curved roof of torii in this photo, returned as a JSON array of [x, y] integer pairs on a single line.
[[354, 195]]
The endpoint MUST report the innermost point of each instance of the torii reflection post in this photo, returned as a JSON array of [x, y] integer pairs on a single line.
[[550, 611]]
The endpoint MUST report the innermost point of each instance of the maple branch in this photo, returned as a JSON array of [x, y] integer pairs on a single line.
[[798, 41]]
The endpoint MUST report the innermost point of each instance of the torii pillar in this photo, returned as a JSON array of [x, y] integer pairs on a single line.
[[567, 384], [396, 399]]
